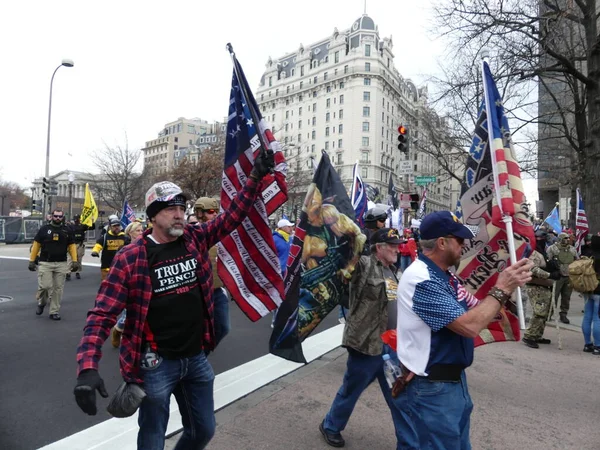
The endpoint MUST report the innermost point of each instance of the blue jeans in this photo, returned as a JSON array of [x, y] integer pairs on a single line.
[[591, 320], [343, 312], [434, 415], [361, 371], [222, 322], [191, 380], [405, 261]]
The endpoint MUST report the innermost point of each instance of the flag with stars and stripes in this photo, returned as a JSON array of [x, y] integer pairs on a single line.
[[128, 215], [422, 206], [248, 263], [492, 188], [581, 224]]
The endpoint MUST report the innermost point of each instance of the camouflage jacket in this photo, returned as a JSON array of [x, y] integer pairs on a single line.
[[564, 255], [367, 318], [540, 276]]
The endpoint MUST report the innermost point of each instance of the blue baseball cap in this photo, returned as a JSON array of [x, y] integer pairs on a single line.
[[443, 223]]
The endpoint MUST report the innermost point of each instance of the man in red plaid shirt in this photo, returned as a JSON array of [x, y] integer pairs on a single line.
[[165, 281]]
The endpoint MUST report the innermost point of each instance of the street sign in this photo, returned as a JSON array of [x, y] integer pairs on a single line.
[[406, 168], [422, 181]]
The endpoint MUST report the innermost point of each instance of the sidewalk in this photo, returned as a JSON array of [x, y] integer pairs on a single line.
[[524, 398]]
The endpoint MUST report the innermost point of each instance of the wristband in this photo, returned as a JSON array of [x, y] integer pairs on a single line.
[[499, 295]]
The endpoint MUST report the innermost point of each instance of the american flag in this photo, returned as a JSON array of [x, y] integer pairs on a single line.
[[128, 215], [248, 263], [492, 188], [581, 224], [359, 197], [422, 206]]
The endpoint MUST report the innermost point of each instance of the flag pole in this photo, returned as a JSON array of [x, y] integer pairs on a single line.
[[506, 218], [353, 191], [263, 144]]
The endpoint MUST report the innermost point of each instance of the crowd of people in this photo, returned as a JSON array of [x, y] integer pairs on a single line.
[[162, 305]]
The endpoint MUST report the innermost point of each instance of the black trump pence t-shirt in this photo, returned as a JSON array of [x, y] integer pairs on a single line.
[[176, 313]]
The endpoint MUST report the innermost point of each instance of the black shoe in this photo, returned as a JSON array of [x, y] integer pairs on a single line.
[[596, 351], [55, 316], [530, 343], [333, 439], [588, 348], [544, 341], [563, 319], [39, 309], [78, 276], [68, 277]]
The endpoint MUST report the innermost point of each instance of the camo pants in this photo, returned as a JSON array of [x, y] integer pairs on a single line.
[[540, 298]]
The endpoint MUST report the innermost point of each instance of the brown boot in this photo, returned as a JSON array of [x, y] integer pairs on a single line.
[[115, 337]]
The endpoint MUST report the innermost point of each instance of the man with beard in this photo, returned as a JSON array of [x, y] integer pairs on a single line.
[[438, 321], [165, 280], [539, 291], [565, 254], [52, 242]]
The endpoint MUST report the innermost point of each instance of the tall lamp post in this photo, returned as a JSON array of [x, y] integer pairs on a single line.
[[3, 197], [71, 179], [66, 63]]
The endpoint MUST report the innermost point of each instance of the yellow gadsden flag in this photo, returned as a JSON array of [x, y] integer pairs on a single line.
[[89, 213]]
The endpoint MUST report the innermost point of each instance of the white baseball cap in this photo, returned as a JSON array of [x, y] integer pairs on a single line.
[[284, 223]]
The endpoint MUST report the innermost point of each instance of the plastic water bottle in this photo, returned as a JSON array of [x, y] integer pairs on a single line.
[[390, 370]]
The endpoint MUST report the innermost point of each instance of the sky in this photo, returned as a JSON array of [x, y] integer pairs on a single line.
[[142, 64]]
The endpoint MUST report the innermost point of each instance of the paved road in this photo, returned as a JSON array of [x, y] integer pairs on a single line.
[[37, 357]]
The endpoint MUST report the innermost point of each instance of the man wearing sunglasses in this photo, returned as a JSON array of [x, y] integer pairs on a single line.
[[437, 323], [52, 242]]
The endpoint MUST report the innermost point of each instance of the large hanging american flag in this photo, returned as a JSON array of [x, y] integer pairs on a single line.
[[491, 189], [248, 263], [581, 224]]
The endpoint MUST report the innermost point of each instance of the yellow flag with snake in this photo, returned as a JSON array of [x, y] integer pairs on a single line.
[[89, 213]]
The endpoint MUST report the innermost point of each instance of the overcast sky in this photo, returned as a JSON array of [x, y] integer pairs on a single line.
[[141, 64]]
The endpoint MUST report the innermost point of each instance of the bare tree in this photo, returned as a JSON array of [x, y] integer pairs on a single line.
[[200, 176], [118, 180], [549, 45], [12, 197]]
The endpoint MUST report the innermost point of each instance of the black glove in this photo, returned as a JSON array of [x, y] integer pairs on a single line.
[[264, 164], [75, 266], [95, 254], [88, 382], [31, 266], [555, 275]]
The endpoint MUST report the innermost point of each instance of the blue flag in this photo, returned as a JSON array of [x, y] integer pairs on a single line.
[[127, 216], [554, 220]]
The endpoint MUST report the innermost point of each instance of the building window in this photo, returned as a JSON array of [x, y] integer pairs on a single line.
[[276, 92], [341, 114], [366, 96], [367, 67], [300, 97], [366, 111], [345, 69], [365, 172], [328, 89], [327, 116], [341, 99], [314, 94], [314, 135], [314, 121], [336, 57], [176, 139], [328, 103], [339, 143], [365, 126], [293, 72], [287, 90], [299, 124], [262, 97], [365, 141], [286, 127], [315, 80], [301, 71], [314, 107], [342, 85], [341, 128], [287, 114], [326, 145], [270, 81], [299, 138], [325, 76], [326, 131], [312, 149], [367, 50], [367, 81], [364, 157], [300, 111]]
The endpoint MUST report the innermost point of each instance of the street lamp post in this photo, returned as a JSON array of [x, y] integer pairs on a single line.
[[71, 179], [66, 63], [2, 196]]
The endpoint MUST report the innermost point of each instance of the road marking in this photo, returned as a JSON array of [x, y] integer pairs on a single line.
[[229, 387], [23, 258]]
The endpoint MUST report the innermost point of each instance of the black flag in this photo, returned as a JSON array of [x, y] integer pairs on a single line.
[[326, 247]]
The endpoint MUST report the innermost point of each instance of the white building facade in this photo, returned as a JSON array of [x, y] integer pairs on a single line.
[[344, 95]]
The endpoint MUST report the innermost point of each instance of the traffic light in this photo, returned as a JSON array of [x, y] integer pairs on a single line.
[[44, 185], [33, 205], [414, 201], [403, 139], [53, 187]]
